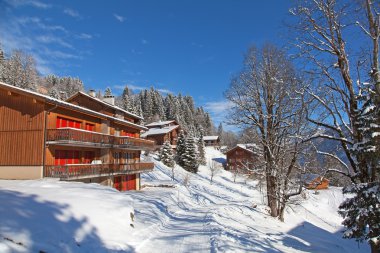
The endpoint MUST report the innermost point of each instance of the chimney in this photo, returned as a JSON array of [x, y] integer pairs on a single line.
[[109, 99], [92, 93]]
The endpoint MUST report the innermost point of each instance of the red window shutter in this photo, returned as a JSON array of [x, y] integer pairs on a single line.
[[90, 127], [76, 157], [58, 122]]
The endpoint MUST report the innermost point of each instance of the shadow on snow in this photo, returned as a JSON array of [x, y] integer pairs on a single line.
[[23, 214]]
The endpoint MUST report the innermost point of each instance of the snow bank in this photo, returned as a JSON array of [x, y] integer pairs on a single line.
[[54, 216]]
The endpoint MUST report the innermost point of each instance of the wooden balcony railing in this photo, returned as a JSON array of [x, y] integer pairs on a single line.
[[78, 136], [80, 171]]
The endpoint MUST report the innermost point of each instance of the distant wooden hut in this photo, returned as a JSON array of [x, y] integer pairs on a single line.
[[315, 182]]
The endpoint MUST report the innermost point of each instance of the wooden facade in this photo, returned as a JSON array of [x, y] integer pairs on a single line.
[[241, 159], [21, 122], [83, 139], [160, 132], [211, 141]]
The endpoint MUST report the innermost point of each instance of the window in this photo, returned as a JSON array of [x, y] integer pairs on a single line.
[[126, 133], [63, 157], [89, 156], [63, 122], [89, 127]]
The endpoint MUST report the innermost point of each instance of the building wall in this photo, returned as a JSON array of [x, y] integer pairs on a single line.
[[212, 143], [21, 172], [77, 116], [237, 158], [318, 185], [21, 131]]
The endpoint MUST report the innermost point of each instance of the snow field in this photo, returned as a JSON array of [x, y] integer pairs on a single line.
[[188, 215]]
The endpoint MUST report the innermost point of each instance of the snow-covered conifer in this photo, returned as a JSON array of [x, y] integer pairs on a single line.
[[190, 156], [201, 149], [108, 92], [181, 145], [166, 155]]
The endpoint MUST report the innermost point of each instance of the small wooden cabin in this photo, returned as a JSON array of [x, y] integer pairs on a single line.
[[315, 182], [211, 141], [162, 131], [242, 157], [82, 139]]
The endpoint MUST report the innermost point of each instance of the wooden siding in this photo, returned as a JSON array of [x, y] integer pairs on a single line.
[[21, 130], [160, 139], [72, 115], [316, 184], [238, 158]]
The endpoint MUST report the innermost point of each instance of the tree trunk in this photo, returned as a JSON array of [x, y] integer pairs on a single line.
[[375, 246], [271, 195]]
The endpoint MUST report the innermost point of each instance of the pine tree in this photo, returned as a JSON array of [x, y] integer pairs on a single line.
[[127, 100], [181, 145], [361, 211], [220, 132], [190, 156], [108, 92], [166, 155], [201, 149]]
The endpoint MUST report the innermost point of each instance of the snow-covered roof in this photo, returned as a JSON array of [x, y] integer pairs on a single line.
[[310, 177], [104, 103], [158, 131], [210, 138], [160, 123], [69, 105], [250, 147]]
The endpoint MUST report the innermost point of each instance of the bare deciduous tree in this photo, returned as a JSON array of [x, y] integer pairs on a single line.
[[20, 70], [264, 98], [215, 168], [344, 97]]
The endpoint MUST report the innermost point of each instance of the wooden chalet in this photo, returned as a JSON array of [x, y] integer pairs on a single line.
[[161, 131], [211, 141], [315, 182], [242, 157], [81, 139]]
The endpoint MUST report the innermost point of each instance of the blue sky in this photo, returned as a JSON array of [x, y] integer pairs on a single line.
[[188, 47]]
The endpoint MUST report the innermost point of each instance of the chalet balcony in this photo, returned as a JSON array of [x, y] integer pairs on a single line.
[[78, 137], [81, 171]]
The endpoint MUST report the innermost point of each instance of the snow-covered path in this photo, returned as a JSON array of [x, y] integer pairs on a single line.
[[219, 217]]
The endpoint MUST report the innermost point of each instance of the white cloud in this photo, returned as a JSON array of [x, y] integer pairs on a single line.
[[26, 22], [144, 42], [46, 42], [218, 110], [218, 107], [71, 12], [119, 18], [49, 39], [33, 3], [194, 44], [85, 36]]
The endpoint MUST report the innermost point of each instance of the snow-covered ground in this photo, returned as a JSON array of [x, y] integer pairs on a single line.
[[188, 214]]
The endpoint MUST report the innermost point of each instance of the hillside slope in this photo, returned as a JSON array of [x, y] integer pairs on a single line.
[[187, 214]]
